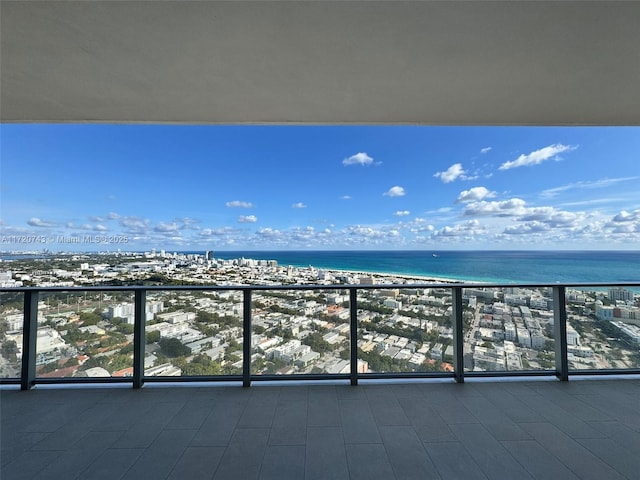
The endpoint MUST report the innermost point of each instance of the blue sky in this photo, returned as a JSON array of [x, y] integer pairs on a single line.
[[137, 187]]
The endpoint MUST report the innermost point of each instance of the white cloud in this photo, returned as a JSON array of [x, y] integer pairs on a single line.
[[625, 216], [360, 158], [269, 232], [402, 213], [395, 192], [452, 173], [474, 194], [345, 197], [511, 207], [239, 204], [298, 205], [368, 233], [468, 229], [38, 222], [605, 182], [216, 232], [485, 150], [94, 228], [164, 227], [550, 216], [113, 216], [538, 156], [135, 224], [247, 219], [527, 228]]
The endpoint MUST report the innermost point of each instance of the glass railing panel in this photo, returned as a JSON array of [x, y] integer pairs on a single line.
[[603, 328], [405, 330], [508, 329], [193, 333], [85, 334], [300, 332], [11, 327]]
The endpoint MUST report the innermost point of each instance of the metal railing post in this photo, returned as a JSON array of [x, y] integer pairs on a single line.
[[353, 334], [139, 338], [458, 334], [29, 336], [246, 339], [560, 332]]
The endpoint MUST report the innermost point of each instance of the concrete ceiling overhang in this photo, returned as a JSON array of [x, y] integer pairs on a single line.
[[321, 62]]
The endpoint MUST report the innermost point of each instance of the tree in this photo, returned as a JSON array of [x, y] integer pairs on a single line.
[[89, 318], [125, 328], [206, 317], [9, 350], [172, 347], [317, 343], [152, 337], [200, 365]]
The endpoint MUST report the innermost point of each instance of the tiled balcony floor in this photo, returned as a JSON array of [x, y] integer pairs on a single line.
[[587, 429]]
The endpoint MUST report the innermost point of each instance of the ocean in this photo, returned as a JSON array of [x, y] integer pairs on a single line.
[[542, 267], [545, 267]]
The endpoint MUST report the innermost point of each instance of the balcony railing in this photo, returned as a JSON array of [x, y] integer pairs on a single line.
[[315, 332]]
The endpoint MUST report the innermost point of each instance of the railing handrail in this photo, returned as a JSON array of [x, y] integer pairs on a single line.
[[30, 325], [332, 286]]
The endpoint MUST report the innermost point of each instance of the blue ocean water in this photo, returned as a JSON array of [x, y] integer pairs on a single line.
[[482, 266]]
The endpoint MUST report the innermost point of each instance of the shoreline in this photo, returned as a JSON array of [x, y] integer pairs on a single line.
[[425, 279]]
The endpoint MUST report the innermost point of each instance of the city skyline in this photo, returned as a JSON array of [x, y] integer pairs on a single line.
[[137, 187]]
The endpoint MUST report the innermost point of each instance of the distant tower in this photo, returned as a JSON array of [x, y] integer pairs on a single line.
[[208, 255], [619, 293]]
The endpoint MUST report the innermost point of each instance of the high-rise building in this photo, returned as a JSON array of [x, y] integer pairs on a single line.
[[620, 294]]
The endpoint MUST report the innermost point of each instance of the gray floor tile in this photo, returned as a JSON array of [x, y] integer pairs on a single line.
[[570, 452], [621, 434], [428, 424], [454, 411], [217, 429], [406, 454], [453, 462], [112, 464], [358, 422], [13, 444], [560, 417], [260, 410], [243, 457], [624, 461], [288, 435], [191, 415], [538, 461], [326, 455], [28, 465], [197, 463], [323, 408], [283, 463], [368, 462], [488, 453], [386, 409], [158, 460], [511, 405]]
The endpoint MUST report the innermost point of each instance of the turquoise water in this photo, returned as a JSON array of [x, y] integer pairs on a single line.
[[487, 266]]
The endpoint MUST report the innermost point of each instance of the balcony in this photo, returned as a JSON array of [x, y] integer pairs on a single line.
[[348, 333], [475, 430], [406, 420]]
